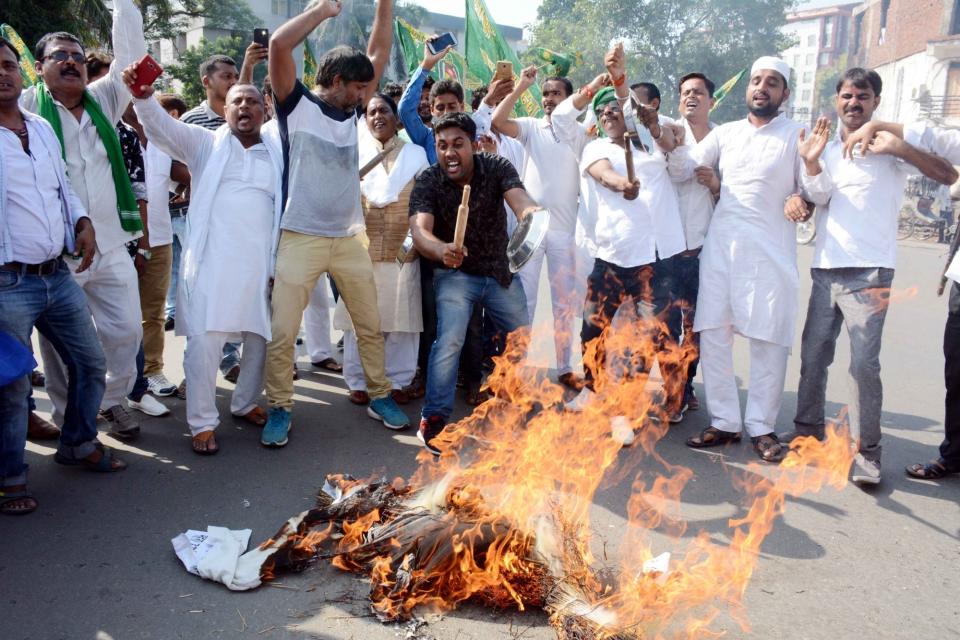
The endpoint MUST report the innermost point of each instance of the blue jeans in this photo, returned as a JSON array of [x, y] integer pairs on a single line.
[[140, 385], [57, 306], [687, 287], [457, 293]]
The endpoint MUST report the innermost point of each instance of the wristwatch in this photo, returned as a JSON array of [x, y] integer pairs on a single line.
[[145, 253]]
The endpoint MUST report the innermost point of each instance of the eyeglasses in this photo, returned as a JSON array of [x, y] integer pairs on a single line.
[[62, 56]]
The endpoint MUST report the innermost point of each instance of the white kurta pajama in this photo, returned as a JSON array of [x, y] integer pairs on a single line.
[[237, 193], [749, 281]]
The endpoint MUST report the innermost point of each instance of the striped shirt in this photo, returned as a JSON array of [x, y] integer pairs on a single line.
[[203, 116]]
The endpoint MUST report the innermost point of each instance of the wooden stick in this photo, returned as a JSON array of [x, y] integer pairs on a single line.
[[460, 231], [628, 151]]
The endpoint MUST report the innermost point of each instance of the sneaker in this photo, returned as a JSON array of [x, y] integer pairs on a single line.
[[149, 405], [278, 426], [865, 471], [387, 411], [580, 402], [677, 417], [622, 431], [158, 385], [122, 425], [693, 402], [429, 429]]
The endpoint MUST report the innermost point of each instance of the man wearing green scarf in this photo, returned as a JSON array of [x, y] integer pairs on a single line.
[[82, 116]]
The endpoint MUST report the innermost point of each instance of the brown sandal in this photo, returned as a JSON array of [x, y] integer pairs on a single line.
[[256, 416], [204, 444], [768, 447], [933, 470], [713, 437]]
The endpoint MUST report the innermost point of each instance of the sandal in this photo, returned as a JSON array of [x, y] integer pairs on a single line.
[[204, 444], [256, 416], [8, 497], [329, 364], [713, 437], [107, 463], [768, 447], [933, 470]]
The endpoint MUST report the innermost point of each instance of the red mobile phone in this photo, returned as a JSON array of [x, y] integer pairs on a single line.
[[147, 73]]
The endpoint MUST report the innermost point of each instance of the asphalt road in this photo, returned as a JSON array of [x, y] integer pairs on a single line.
[[95, 560]]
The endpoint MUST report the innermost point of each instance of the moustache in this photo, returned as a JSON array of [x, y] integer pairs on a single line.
[[854, 110], [70, 71]]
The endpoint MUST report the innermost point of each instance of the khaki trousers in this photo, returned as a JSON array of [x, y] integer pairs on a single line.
[[301, 260], [153, 299]]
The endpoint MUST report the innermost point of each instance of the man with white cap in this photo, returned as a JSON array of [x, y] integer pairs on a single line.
[[748, 270]]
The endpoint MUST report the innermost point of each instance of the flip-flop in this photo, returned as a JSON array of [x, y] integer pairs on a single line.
[[6, 497], [207, 450], [103, 465], [713, 437], [933, 470], [329, 364]]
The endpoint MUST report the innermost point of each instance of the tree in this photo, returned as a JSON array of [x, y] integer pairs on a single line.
[[665, 39], [825, 89], [186, 71]]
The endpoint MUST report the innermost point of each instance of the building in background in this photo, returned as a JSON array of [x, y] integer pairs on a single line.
[[822, 38], [915, 47]]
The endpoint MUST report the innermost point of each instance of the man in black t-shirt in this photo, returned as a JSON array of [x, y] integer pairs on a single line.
[[477, 273]]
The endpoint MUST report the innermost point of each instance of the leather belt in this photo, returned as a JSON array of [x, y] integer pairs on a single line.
[[47, 268]]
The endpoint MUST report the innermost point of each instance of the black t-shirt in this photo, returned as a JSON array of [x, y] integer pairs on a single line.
[[486, 238]]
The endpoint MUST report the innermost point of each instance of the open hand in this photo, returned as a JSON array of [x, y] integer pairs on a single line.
[[812, 146]]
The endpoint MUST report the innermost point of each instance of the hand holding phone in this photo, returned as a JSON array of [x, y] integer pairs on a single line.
[[262, 36], [441, 42], [148, 70], [504, 71]]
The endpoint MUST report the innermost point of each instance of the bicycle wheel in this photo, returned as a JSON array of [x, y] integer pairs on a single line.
[[904, 228], [924, 231]]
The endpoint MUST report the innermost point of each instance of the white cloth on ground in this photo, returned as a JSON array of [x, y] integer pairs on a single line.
[[400, 359], [215, 554]]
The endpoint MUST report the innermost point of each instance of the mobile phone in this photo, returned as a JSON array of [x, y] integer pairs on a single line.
[[261, 36], [504, 71], [147, 73], [441, 42]]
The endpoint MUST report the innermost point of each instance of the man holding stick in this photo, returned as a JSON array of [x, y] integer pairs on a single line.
[[459, 224]]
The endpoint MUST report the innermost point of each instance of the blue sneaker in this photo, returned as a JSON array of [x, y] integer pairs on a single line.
[[275, 431], [387, 411]]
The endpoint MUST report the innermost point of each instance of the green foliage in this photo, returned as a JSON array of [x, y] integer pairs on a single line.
[[186, 71], [825, 89], [666, 39]]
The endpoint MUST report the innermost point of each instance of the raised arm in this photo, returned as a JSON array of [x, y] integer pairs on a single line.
[[379, 45], [283, 69], [254, 55], [502, 122], [129, 46]]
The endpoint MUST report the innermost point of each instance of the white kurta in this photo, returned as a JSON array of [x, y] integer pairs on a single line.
[[748, 267]]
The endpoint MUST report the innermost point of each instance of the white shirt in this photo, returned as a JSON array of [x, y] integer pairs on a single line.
[[858, 204], [159, 226], [630, 233], [552, 172], [87, 163], [34, 214], [942, 142], [696, 203]]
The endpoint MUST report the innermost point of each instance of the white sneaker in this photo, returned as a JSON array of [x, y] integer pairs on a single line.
[[622, 431], [864, 471], [149, 405], [158, 385], [580, 401]]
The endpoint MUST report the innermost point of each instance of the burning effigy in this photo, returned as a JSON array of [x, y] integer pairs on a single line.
[[502, 517]]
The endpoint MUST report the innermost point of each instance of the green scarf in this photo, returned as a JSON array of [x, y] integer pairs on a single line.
[[126, 202]]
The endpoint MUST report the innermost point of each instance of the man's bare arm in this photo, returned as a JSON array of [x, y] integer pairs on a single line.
[[432, 247], [283, 69], [378, 47]]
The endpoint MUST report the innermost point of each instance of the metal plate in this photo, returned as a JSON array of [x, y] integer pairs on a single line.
[[527, 237]]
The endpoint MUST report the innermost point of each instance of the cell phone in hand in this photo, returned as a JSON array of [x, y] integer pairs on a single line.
[[441, 42], [148, 70], [504, 71], [262, 36]]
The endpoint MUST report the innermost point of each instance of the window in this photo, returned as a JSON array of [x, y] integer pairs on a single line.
[[828, 31], [805, 96], [796, 61], [809, 59], [955, 20], [824, 59], [857, 31], [808, 76], [884, 11], [287, 8], [811, 40]]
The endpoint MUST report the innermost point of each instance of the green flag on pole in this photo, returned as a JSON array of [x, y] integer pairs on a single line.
[[485, 46], [725, 89], [309, 65], [27, 70], [558, 64], [411, 42]]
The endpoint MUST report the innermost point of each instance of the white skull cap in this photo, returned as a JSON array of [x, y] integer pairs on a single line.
[[772, 64]]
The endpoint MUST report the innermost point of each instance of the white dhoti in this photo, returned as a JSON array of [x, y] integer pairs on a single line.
[[201, 361], [400, 351], [768, 367], [316, 322]]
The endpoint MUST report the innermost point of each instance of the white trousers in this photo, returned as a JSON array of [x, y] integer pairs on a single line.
[[768, 368], [316, 322], [113, 295], [400, 351], [560, 252], [201, 361]]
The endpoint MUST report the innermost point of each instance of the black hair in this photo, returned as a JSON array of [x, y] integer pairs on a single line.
[[172, 101], [446, 86], [564, 81], [393, 89], [477, 96], [861, 78], [6, 43], [696, 75], [428, 83], [351, 64], [390, 102], [40, 49], [97, 61], [240, 85], [209, 66], [457, 120], [653, 92]]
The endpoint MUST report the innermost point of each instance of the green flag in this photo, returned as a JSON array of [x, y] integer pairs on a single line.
[[309, 65], [558, 64], [727, 86], [485, 46], [411, 42], [27, 70]]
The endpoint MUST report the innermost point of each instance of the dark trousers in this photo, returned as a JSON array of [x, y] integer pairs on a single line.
[[649, 287], [950, 448], [686, 268]]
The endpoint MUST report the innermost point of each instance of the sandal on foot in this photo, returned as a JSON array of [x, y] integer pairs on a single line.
[[713, 437], [107, 463], [329, 364], [7, 498], [204, 444], [933, 470], [256, 416], [768, 448]]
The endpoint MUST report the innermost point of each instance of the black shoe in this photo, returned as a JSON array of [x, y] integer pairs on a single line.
[[790, 436], [429, 429], [169, 324]]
